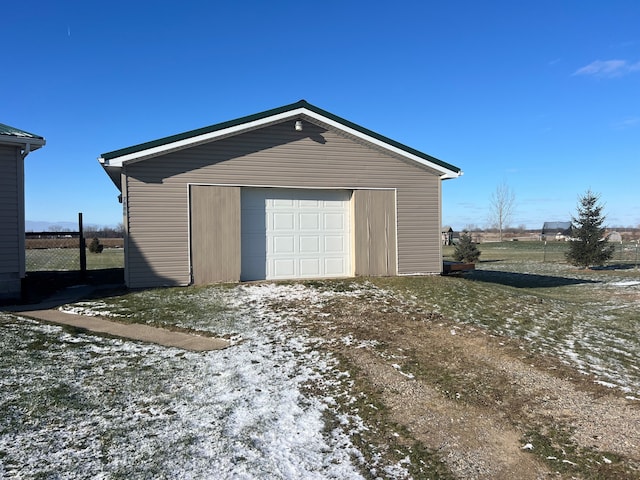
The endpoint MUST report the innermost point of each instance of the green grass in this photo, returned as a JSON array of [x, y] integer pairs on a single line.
[[627, 254], [63, 259], [178, 308], [109, 258], [586, 317]]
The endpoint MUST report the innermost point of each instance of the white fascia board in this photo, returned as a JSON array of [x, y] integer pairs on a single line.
[[204, 138], [237, 129], [446, 173]]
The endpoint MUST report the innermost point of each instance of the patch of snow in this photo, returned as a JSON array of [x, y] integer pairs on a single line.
[[152, 411], [606, 384], [399, 369]]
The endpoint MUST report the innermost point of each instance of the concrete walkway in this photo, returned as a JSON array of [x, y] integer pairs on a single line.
[[48, 311]]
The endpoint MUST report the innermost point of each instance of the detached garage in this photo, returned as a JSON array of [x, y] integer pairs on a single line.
[[293, 192]]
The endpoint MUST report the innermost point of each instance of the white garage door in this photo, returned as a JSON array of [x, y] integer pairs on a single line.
[[287, 233]]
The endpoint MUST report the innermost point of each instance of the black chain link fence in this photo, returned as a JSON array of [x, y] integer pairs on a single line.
[[53, 251]]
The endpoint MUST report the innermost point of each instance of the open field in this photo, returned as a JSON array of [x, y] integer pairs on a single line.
[[521, 369], [64, 259]]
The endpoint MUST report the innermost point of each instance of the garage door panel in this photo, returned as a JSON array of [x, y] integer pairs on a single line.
[[336, 204], [334, 244], [283, 221], [309, 244], [334, 221], [281, 202], [309, 203], [282, 268], [306, 233], [334, 266], [284, 245], [309, 267], [309, 221]]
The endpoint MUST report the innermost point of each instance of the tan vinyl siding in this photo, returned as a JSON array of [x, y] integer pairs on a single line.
[[11, 224], [215, 234], [375, 232], [278, 156]]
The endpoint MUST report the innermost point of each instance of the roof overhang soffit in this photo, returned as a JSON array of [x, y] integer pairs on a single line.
[[301, 112], [26, 143]]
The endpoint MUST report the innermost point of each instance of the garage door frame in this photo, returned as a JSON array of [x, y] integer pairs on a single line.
[[373, 231]]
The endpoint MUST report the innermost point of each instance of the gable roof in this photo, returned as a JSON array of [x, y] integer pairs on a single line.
[[14, 136], [302, 109]]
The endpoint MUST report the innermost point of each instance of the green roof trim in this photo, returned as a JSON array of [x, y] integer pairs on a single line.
[[268, 113], [16, 132], [382, 138]]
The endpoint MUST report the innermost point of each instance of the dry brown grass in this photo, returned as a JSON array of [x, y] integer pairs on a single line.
[[474, 400]]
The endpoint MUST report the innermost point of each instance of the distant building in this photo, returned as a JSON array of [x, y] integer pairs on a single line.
[[557, 231], [614, 237], [447, 235]]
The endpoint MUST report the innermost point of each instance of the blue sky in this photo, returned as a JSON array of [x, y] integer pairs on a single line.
[[543, 96]]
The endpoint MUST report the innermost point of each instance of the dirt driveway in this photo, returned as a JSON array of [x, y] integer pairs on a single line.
[[471, 405], [434, 397]]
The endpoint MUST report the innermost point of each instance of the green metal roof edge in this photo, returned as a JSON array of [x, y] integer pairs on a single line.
[[199, 131], [382, 138], [16, 132], [268, 113]]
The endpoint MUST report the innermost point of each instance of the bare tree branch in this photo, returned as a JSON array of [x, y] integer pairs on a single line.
[[501, 207]]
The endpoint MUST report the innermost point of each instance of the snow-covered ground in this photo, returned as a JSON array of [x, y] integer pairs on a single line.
[[76, 405], [592, 322], [81, 406]]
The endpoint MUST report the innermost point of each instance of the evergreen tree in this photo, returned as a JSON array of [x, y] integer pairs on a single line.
[[589, 246], [466, 250], [95, 246]]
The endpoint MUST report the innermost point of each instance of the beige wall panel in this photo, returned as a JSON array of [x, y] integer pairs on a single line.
[[275, 156], [215, 234], [375, 232]]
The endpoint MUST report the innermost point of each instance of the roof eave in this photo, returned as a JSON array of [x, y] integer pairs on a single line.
[[173, 143], [34, 142]]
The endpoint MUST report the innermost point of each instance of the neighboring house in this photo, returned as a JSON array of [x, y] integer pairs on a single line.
[[447, 235], [556, 231], [293, 192], [15, 145]]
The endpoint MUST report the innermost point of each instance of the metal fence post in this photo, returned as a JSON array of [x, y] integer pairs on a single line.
[[83, 249]]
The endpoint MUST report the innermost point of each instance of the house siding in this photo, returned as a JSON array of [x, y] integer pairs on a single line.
[[157, 198], [11, 222]]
